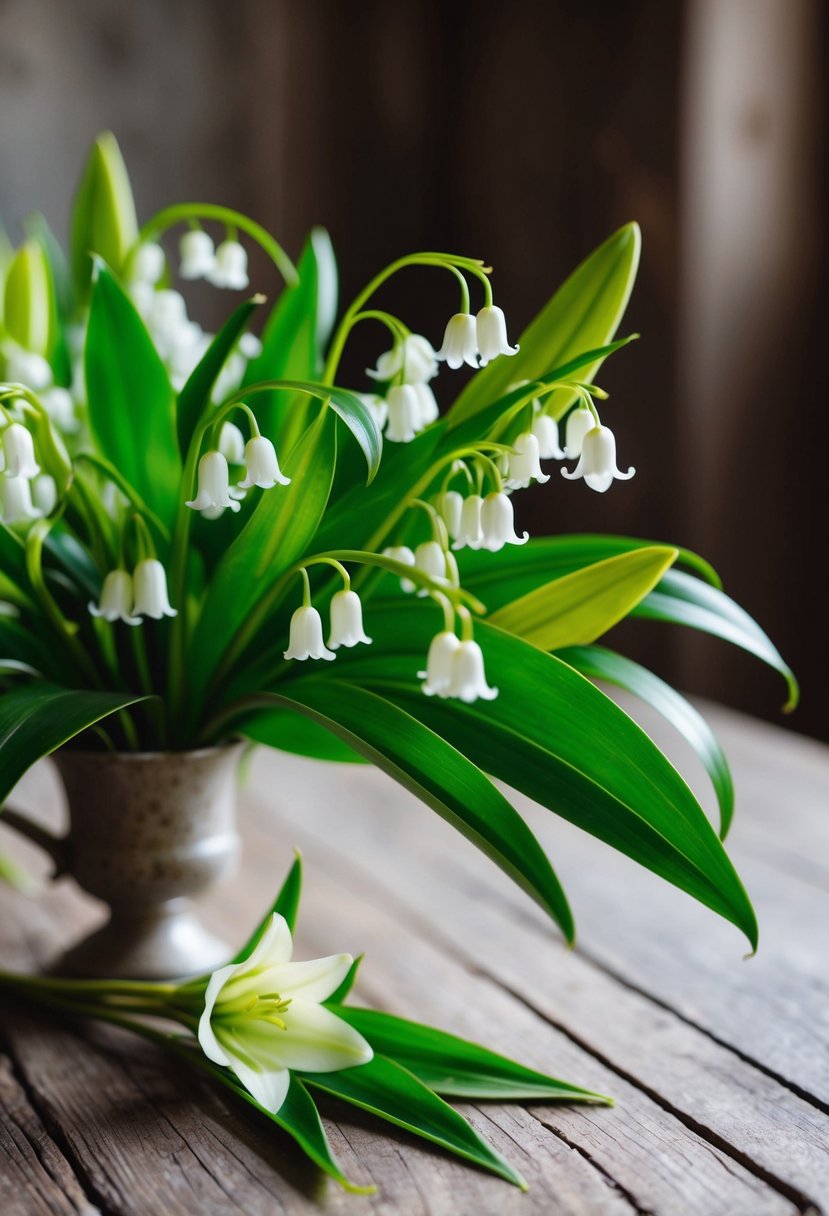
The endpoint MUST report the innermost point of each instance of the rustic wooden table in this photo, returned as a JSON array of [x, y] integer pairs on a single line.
[[720, 1065]]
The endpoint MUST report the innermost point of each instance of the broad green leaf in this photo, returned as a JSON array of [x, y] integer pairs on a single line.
[[38, 718], [558, 739], [289, 732], [276, 534], [687, 601], [103, 213], [130, 399], [438, 774], [390, 1091], [286, 904], [584, 313], [456, 1067], [195, 396], [598, 663], [579, 607]]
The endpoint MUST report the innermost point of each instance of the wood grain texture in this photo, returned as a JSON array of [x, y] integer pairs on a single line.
[[716, 1068]]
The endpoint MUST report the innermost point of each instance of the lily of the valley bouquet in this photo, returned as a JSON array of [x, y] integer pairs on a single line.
[[209, 537]]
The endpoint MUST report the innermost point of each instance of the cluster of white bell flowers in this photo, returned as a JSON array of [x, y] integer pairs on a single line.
[[130, 597], [476, 340], [26, 493], [305, 639], [214, 493]]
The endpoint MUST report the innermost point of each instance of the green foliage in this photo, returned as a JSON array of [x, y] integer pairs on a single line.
[[103, 213]]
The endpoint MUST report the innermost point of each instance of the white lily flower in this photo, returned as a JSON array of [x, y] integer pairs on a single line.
[[19, 448], [377, 406], [58, 403], [346, 620], [579, 422], [438, 673], [430, 558], [27, 367], [232, 443], [597, 463], [231, 267], [305, 640], [428, 410], [524, 462], [403, 554], [470, 534], [491, 330], [545, 430], [450, 506], [147, 264], [468, 679], [44, 494], [404, 413], [498, 523], [198, 255], [460, 341], [16, 504], [214, 484], [150, 582], [261, 465], [264, 1017], [414, 356], [116, 600]]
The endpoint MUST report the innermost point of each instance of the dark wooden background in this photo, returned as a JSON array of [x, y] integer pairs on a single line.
[[523, 133]]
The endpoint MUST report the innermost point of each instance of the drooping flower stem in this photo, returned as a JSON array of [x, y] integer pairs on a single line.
[[187, 212]]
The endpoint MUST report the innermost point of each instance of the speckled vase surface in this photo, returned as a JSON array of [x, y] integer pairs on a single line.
[[147, 833]]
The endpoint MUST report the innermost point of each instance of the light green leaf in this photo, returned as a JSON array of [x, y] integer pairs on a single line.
[[103, 213], [437, 773], [386, 1089], [29, 310], [38, 718], [581, 606], [130, 398], [584, 313], [598, 663], [455, 1067]]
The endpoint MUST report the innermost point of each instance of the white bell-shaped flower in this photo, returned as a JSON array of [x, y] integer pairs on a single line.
[[16, 504], [116, 600], [27, 367], [305, 640], [579, 422], [250, 346], [44, 494], [232, 443], [460, 341], [467, 681], [430, 557], [428, 411], [470, 534], [261, 466], [524, 462], [545, 430], [214, 484], [346, 620], [150, 583], [230, 268], [450, 506], [58, 403], [498, 523], [597, 463], [198, 255], [438, 674], [404, 555], [377, 407], [229, 378], [491, 331], [147, 264], [19, 449], [404, 413], [143, 297], [413, 355]]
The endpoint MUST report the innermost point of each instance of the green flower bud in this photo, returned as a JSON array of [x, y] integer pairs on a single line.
[[29, 308], [103, 217]]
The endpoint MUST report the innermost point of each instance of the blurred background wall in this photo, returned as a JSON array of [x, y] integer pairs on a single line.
[[522, 133]]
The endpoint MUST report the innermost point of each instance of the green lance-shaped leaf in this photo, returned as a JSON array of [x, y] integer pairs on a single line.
[[685, 600], [456, 1067], [286, 904], [386, 1089], [583, 314], [598, 663], [440, 775], [194, 398], [38, 718], [130, 398], [288, 731], [29, 309], [103, 214], [580, 607], [276, 534], [558, 739]]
